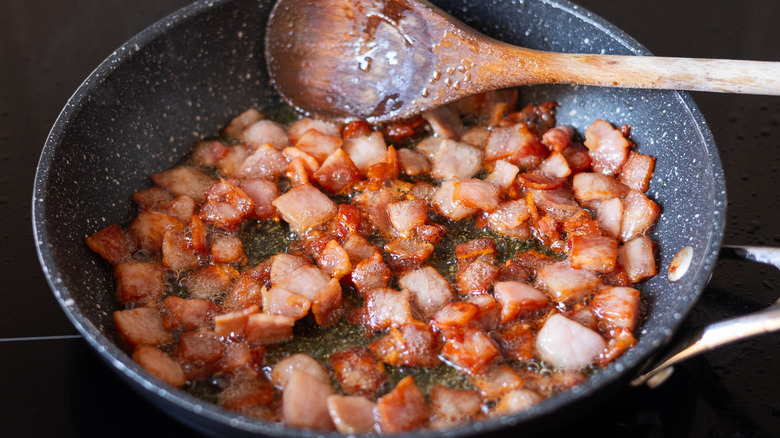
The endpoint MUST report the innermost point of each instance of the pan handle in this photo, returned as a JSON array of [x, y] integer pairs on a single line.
[[723, 332]]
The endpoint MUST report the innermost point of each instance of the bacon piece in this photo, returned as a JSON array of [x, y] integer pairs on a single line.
[[374, 205], [566, 344], [429, 289], [609, 216], [471, 350], [304, 207], [246, 395], [358, 249], [318, 144], [454, 159], [497, 380], [280, 301], [337, 172], [366, 150], [265, 329], [577, 157], [518, 298], [283, 265], [141, 326], [594, 253], [160, 365], [304, 402], [355, 128], [444, 202], [111, 243], [476, 193], [234, 158], [639, 215], [327, 306], [413, 162], [306, 280], [607, 146], [636, 257], [590, 186], [226, 206], [497, 103], [398, 131], [637, 171], [445, 122], [181, 207], [618, 307], [503, 174], [209, 281], [515, 144], [558, 138], [455, 405], [304, 161], [476, 136], [138, 283], [297, 172], [428, 146], [406, 215], [265, 162], [200, 347], [149, 227], [352, 414], [387, 307], [516, 341], [402, 409], [453, 317], [566, 284], [508, 217], [358, 371], [206, 154], [235, 355], [387, 170], [244, 292], [241, 121], [536, 179], [299, 127], [415, 250], [371, 273], [414, 345], [621, 340], [489, 312], [517, 400], [262, 193], [228, 249], [334, 260], [476, 277], [153, 196], [555, 165], [559, 204], [187, 315], [232, 324], [478, 248], [432, 233], [282, 372], [184, 180]]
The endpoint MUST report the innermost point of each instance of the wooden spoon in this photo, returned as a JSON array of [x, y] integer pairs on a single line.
[[384, 60]]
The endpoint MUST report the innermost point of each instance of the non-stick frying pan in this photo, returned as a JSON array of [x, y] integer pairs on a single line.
[[186, 76]]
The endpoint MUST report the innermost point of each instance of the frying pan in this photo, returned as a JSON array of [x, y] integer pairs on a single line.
[[184, 77]]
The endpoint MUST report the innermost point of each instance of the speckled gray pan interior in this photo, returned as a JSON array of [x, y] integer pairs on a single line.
[[186, 76]]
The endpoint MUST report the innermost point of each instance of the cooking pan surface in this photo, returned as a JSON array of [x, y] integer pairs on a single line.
[[185, 77]]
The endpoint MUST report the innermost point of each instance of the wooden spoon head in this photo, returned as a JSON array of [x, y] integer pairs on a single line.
[[357, 59]]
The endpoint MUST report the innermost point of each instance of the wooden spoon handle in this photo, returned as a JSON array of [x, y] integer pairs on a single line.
[[692, 74]]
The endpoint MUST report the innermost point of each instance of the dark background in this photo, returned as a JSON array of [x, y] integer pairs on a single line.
[[52, 384]]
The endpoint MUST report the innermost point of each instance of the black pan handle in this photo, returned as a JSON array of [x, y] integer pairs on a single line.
[[720, 333]]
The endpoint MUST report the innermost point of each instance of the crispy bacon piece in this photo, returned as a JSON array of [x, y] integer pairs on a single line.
[[503, 174], [138, 283], [476, 193], [476, 277], [153, 196], [476, 136], [555, 165], [209, 281], [518, 298], [318, 144], [537, 179], [280, 301], [386, 308], [337, 172], [636, 257], [246, 395], [355, 128], [264, 162], [430, 291], [184, 180], [232, 324], [488, 315], [226, 206], [370, 273], [235, 356], [265, 132], [206, 154], [304, 207], [282, 372], [299, 127], [283, 265], [471, 350], [406, 215], [149, 227], [444, 202], [228, 249], [374, 207], [358, 249], [617, 307], [234, 158], [141, 326], [160, 365], [352, 414], [639, 215], [366, 150], [187, 315], [453, 317], [497, 380], [607, 146], [358, 371], [244, 292], [347, 222], [591, 186], [327, 306], [517, 145], [566, 284], [402, 409], [304, 402], [241, 121], [413, 162], [594, 253], [516, 341], [181, 207], [577, 157], [455, 405], [306, 280], [568, 345], [265, 329], [454, 159], [334, 259], [558, 138], [414, 344], [200, 347], [637, 171], [262, 193], [398, 131], [517, 400], [445, 122], [609, 216], [413, 250], [386, 170], [111, 243], [621, 340]]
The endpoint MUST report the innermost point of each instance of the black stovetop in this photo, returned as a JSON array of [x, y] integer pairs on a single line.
[[52, 384]]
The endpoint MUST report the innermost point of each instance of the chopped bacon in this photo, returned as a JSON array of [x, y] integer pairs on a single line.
[[537, 179], [621, 340], [387, 307], [235, 355], [327, 306], [415, 250], [428, 146], [355, 128], [232, 324], [304, 402], [639, 214], [476, 193], [429, 289], [558, 138], [432, 233], [489, 312], [618, 307], [636, 257], [594, 253], [517, 400], [226, 206], [358, 249], [609, 216], [555, 165], [264, 132], [455, 404], [181, 207], [481, 247], [402, 409], [515, 144], [244, 292], [637, 171], [374, 205], [334, 259], [138, 283], [234, 158], [283, 265], [577, 157], [297, 172], [406, 215], [413, 162], [245, 395], [227, 248], [533, 260], [352, 415], [503, 174], [304, 207], [607, 146], [184, 180], [141, 326], [111, 243], [337, 172], [370, 273], [299, 127], [566, 284], [241, 121], [590, 186], [559, 204], [160, 365], [198, 235], [470, 350], [206, 154], [263, 328], [366, 150], [566, 344], [516, 341], [513, 270], [262, 193], [358, 371], [265, 162], [282, 372], [496, 103], [476, 136], [445, 122], [444, 202], [149, 227], [199, 346], [209, 281], [151, 197], [453, 317], [508, 217], [497, 380], [456, 160], [414, 344], [398, 131], [518, 298], [307, 280], [187, 315], [280, 301], [476, 277]]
